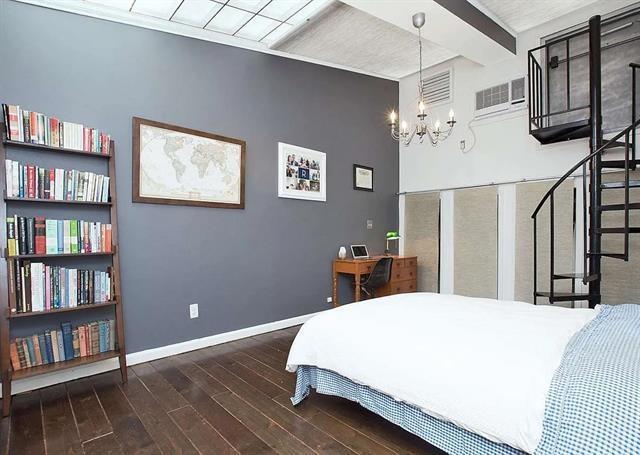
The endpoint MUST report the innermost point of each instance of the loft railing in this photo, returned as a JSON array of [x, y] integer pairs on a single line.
[[627, 133], [540, 113]]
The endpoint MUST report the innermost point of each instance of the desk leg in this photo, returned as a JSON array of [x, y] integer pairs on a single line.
[[334, 294], [357, 288]]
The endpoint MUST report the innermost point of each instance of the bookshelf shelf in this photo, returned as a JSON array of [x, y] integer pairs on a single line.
[[88, 306], [28, 145], [58, 366], [60, 255], [53, 201], [7, 283]]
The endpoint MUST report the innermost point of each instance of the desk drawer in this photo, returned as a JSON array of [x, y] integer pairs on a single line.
[[411, 262], [400, 287], [403, 274]]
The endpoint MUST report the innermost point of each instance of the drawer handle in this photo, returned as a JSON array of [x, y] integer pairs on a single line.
[[397, 289]]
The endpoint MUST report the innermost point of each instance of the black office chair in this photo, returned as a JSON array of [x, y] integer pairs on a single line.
[[379, 277]]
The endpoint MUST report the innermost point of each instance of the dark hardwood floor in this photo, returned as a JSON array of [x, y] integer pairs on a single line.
[[230, 398]]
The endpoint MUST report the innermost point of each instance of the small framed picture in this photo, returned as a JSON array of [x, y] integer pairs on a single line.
[[362, 178], [302, 173]]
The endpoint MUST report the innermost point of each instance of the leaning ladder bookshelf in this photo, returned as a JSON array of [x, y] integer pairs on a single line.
[[7, 316]]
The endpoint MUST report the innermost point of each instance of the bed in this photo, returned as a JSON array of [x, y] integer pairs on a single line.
[[482, 376]]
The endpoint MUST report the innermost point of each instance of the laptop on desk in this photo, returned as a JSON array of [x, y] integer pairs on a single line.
[[359, 252]]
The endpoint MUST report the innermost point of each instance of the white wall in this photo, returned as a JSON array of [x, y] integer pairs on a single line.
[[502, 152]]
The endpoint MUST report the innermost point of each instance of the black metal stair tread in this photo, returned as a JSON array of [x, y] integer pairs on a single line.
[[564, 132], [613, 144], [619, 164], [608, 254], [610, 207], [573, 276], [619, 230], [613, 185], [563, 296]]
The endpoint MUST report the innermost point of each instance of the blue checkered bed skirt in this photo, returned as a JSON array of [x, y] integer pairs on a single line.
[[444, 435], [593, 405]]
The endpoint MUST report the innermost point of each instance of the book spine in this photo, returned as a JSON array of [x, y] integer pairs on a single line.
[[68, 340], [31, 236]]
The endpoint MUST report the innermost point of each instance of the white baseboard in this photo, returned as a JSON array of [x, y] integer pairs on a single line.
[[148, 355]]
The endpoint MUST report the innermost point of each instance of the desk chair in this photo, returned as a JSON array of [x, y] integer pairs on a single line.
[[379, 277]]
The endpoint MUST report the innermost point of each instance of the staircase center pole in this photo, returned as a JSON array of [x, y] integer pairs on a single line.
[[595, 193]]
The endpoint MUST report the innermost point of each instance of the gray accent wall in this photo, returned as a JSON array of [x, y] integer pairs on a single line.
[[268, 262]]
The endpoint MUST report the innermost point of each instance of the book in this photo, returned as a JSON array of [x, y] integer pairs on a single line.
[[37, 128], [15, 358], [40, 235], [67, 339], [60, 346], [51, 228]]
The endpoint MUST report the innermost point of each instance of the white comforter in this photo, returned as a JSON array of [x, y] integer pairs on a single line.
[[483, 364]]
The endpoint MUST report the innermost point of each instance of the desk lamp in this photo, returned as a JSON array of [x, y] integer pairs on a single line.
[[391, 235]]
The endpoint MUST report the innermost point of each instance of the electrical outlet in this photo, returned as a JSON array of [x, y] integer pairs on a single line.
[[193, 310], [369, 224], [329, 300]]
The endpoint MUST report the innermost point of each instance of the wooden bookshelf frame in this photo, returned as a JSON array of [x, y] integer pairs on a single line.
[[7, 288]]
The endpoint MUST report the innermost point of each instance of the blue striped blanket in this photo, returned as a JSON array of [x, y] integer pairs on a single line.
[[593, 404]]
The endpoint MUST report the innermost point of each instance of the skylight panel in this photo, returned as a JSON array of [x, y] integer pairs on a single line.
[[283, 9], [196, 12], [229, 20], [277, 34], [257, 28], [156, 8], [249, 5]]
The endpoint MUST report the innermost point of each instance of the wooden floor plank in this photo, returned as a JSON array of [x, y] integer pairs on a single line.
[[358, 442], [201, 434], [89, 415], [159, 425], [128, 430], [27, 436], [300, 428], [103, 445], [266, 429], [158, 386], [347, 435], [283, 379], [61, 433], [231, 398], [372, 425], [202, 379], [239, 436]]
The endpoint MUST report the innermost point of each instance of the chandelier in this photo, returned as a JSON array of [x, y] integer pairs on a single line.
[[435, 132]]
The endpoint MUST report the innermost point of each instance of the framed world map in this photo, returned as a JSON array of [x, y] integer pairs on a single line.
[[181, 166]]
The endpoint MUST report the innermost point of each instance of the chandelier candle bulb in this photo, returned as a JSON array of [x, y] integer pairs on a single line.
[[392, 117], [450, 114]]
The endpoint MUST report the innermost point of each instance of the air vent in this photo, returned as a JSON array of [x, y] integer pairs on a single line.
[[492, 96], [437, 88], [501, 98], [517, 91]]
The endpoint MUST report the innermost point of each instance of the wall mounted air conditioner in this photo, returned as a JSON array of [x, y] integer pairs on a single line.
[[502, 98]]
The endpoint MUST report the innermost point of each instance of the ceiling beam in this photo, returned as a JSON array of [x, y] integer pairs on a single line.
[[454, 24]]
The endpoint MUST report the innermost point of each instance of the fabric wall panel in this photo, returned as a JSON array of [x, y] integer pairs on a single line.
[[476, 242], [528, 195], [421, 236]]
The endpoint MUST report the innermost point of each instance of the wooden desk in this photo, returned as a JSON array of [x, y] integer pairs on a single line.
[[403, 275]]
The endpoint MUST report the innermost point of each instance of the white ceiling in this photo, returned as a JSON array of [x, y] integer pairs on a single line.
[[347, 36], [522, 15]]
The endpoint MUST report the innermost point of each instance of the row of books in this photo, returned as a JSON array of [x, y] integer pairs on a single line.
[[33, 182], [41, 287], [37, 235], [36, 128], [67, 343]]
